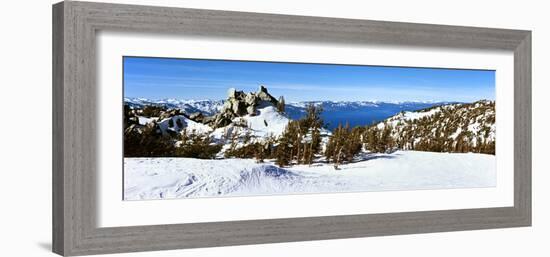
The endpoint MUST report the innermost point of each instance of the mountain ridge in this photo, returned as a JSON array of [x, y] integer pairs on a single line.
[[170, 102], [334, 112], [246, 118], [463, 127]]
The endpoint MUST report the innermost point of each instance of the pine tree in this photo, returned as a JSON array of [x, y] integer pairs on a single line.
[[259, 154], [281, 104], [314, 146], [297, 142], [283, 151], [354, 145], [179, 123], [372, 139], [334, 147], [386, 141], [194, 145], [147, 143], [339, 147], [311, 125], [301, 139]]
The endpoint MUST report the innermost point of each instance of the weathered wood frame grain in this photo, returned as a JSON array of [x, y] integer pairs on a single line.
[[75, 25]]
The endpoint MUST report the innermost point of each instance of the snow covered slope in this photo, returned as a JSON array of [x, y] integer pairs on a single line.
[[268, 122], [160, 178], [258, 128], [449, 128]]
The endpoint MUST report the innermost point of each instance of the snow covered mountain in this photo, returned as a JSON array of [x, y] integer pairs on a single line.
[[206, 107], [449, 128], [356, 113], [253, 117]]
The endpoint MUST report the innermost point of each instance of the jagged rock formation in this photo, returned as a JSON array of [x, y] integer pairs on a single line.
[[239, 104]]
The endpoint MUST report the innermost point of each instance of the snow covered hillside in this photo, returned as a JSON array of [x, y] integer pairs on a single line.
[[162, 178], [268, 122], [449, 128]]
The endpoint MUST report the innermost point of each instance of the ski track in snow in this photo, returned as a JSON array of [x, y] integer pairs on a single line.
[[161, 178]]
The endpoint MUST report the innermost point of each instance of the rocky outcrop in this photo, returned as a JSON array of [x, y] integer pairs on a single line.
[[197, 116], [239, 104], [169, 113]]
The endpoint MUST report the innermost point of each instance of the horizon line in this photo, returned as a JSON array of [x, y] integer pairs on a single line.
[[306, 101]]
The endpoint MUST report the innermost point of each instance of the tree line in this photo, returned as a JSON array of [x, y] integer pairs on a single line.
[[302, 141]]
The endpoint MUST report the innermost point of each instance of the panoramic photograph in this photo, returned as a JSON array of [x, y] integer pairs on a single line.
[[196, 128]]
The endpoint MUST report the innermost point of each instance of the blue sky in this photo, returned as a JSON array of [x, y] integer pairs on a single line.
[[160, 78]]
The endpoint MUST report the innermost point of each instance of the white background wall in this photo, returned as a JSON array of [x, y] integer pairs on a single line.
[[25, 111]]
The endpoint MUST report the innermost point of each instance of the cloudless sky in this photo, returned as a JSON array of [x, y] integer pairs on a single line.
[[161, 78]]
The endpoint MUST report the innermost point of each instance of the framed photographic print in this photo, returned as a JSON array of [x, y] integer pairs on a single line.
[[182, 128], [318, 135]]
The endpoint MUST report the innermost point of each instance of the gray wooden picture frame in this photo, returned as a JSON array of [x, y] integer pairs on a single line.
[[75, 25]]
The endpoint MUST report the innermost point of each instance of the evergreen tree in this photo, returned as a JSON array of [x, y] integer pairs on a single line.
[[179, 123], [311, 126], [281, 104], [283, 151], [301, 139], [147, 142], [354, 143], [194, 145], [372, 135], [386, 142], [343, 145], [314, 146]]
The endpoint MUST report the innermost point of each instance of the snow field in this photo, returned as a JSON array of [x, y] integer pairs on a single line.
[[162, 178]]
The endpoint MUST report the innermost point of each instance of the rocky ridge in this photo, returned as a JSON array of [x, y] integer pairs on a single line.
[[239, 104]]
